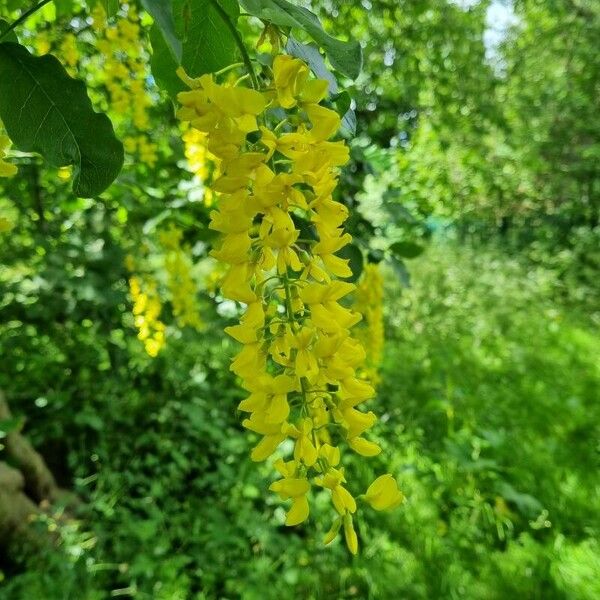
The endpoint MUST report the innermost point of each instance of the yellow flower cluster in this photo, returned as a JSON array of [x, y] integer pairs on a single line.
[[6, 169], [299, 361], [63, 45], [146, 312], [68, 50], [199, 159], [369, 302], [179, 279], [214, 278], [42, 43], [124, 61]]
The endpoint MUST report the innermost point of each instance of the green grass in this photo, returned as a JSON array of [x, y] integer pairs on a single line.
[[498, 387]]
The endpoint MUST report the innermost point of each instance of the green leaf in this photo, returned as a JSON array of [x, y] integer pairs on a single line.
[[356, 261], [46, 111], [343, 102], [406, 249], [10, 425], [162, 13], [63, 7], [111, 7], [346, 57], [163, 64], [11, 36], [401, 270], [208, 45]]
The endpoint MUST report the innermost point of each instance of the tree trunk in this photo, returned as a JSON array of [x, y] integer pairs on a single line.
[[26, 487]]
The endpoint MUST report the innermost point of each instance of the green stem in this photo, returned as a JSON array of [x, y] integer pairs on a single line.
[[288, 301], [24, 17], [239, 42], [229, 67]]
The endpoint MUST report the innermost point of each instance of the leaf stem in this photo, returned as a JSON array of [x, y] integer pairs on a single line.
[[239, 42], [24, 17]]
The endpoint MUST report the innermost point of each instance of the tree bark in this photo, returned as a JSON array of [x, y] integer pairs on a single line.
[[39, 481], [26, 487]]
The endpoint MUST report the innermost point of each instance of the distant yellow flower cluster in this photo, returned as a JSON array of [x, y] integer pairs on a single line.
[[63, 45], [369, 302], [68, 50], [181, 285], [299, 362], [124, 75], [146, 312], [199, 159]]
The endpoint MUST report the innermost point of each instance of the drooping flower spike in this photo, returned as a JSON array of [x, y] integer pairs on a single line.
[[369, 302], [299, 362]]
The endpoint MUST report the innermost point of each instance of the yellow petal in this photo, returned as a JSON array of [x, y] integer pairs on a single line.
[[299, 511], [291, 487], [332, 533], [266, 447], [350, 534], [364, 447], [383, 493]]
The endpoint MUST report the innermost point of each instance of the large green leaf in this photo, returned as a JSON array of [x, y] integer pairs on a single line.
[[46, 111], [207, 44], [162, 13], [64, 7], [111, 7], [163, 64], [406, 249], [11, 36], [346, 57]]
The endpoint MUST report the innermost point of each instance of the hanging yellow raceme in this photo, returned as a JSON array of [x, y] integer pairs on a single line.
[[63, 45], [369, 302], [123, 60], [146, 313], [299, 362], [199, 160], [181, 284]]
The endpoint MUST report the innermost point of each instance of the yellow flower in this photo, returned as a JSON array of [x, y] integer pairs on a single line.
[[304, 448], [306, 364], [292, 487], [350, 534], [332, 533], [369, 302], [68, 50], [121, 57], [146, 312], [364, 447], [6, 169], [268, 396], [289, 75], [383, 493], [272, 436], [180, 282]]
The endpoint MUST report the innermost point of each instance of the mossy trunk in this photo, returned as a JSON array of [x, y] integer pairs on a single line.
[[26, 488]]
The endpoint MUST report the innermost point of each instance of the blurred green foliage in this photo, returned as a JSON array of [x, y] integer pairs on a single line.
[[489, 420]]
